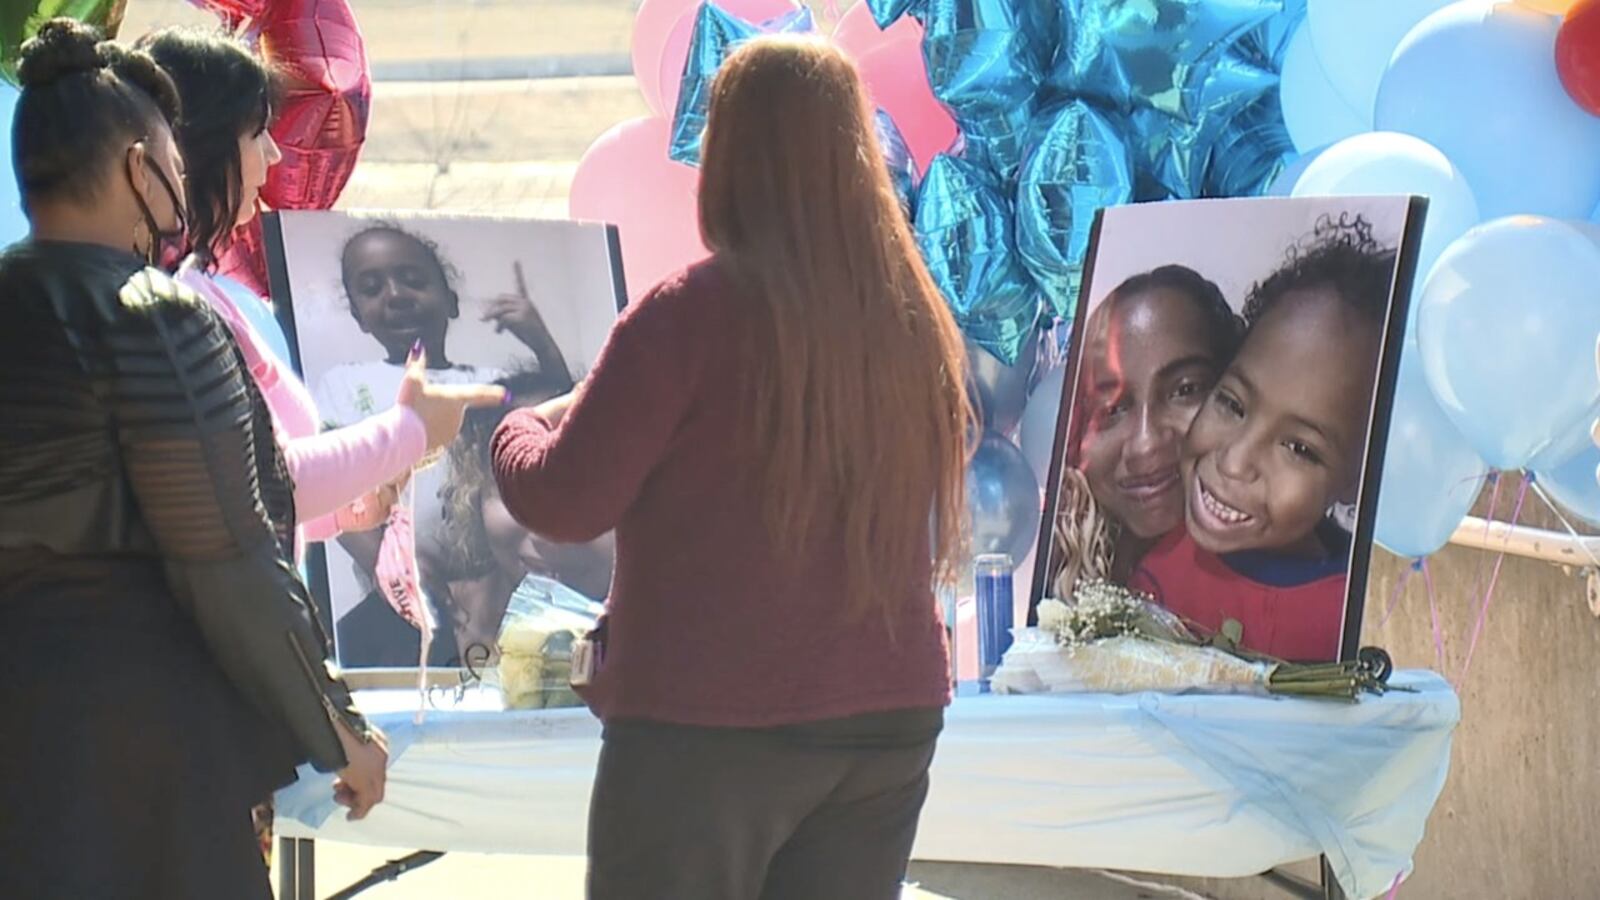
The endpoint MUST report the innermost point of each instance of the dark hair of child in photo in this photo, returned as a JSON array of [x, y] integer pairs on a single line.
[[1153, 350], [486, 556], [1284, 436]]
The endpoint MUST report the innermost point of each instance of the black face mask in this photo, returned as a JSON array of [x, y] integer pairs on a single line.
[[168, 246]]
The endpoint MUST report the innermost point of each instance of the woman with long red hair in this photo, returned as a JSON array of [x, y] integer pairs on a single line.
[[768, 433]]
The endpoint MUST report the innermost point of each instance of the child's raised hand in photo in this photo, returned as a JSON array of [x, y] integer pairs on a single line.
[[515, 313], [442, 406]]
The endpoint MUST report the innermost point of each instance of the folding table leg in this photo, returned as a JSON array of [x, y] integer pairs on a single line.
[[297, 869], [1330, 885]]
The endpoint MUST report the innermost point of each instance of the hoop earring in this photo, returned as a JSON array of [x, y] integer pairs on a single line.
[[142, 242]]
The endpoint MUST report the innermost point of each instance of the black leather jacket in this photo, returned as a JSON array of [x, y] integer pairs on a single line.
[[130, 430]]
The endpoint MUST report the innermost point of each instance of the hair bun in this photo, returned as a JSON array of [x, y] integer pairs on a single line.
[[62, 47]]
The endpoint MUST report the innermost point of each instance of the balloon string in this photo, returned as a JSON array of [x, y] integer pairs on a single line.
[[1494, 504], [1488, 527], [1397, 593], [1433, 616], [1581, 540], [1494, 578]]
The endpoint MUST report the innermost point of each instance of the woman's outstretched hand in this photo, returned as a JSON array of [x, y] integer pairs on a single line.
[[442, 406]]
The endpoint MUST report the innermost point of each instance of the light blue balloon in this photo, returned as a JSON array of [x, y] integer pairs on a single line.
[[1355, 38], [1507, 324], [1431, 475], [1479, 82], [1575, 484], [13, 224], [261, 317], [1386, 162], [1313, 111]]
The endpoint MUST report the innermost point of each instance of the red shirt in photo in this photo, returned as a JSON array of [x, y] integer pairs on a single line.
[[1291, 608]]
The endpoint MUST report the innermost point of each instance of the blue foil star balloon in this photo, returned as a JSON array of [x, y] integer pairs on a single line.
[[964, 229], [897, 156], [1078, 165], [1251, 151], [887, 12], [1266, 44], [1155, 54], [1174, 154], [985, 60], [998, 140], [716, 34]]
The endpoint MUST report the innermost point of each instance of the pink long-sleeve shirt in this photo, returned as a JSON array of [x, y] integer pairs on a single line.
[[330, 469], [709, 623]]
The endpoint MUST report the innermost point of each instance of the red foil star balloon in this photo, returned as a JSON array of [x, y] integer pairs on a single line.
[[315, 46]]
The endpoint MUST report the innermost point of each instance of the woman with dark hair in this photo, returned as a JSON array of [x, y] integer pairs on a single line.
[[162, 667], [1153, 348], [343, 479], [768, 433]]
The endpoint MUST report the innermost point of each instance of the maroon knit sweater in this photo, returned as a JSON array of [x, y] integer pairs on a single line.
[[705, 626]]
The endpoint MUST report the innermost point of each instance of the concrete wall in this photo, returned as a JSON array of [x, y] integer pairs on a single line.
[[1520, 814]]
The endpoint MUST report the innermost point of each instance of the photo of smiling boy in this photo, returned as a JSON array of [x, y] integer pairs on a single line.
[[1277, 447]]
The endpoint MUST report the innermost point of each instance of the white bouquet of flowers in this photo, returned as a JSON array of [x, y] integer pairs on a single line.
[[1111, 640]]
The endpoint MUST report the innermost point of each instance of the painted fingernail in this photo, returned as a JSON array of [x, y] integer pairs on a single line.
[[416, 347], [505, 400]]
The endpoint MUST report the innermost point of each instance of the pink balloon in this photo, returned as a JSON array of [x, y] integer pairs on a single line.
[[897, 78], [857, 33], [651, 28], [626, 179], [669, 72]]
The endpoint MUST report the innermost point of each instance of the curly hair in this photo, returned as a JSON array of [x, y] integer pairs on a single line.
[[471, 476], [1340, 253]]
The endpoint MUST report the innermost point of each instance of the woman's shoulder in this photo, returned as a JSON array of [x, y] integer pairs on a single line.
[[683, 287], [696, 301], [37, 270]]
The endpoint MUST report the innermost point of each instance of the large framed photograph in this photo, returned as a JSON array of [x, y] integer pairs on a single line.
[[1228, 395], [525, 304]]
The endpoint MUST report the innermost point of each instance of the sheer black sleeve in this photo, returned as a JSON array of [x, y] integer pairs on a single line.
[[187, 421]]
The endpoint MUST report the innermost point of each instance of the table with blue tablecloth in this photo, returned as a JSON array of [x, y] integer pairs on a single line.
[[1201, 785]]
